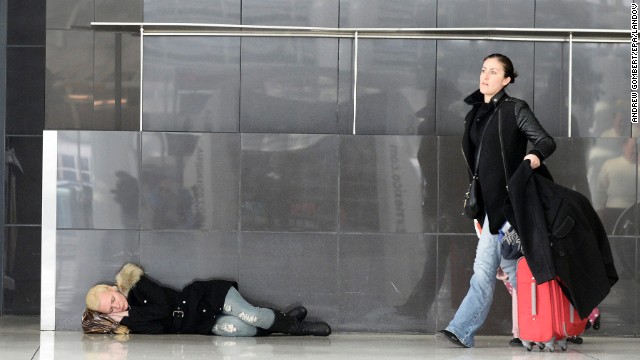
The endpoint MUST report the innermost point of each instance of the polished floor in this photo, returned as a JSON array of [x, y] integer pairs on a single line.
[[21, 339]]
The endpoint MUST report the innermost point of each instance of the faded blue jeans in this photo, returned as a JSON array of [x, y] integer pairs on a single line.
[[239, 318], [475, 306]]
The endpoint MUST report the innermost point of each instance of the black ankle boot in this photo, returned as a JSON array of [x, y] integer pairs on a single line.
[[298, 312], [290, 325]]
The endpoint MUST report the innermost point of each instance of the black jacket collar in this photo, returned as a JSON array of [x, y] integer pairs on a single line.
[[477, 98]]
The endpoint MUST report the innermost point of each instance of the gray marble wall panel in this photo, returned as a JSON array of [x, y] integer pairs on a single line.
[[98, 180], [389, 282], [289, 182], [396, 85], [85, 258], [315, 13], [577, 14], [192, 11], [459, 64], [191, 83], [289, 85], [283, 270], [486, 13], [388, 14], [190, 181], [176, 258], [69, 80], [388, 184]]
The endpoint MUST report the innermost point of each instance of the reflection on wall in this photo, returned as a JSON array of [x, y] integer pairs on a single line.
[[289, 182], [94, 190]]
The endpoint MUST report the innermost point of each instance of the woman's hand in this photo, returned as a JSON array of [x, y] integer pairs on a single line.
[[535, 161], [117, 316]]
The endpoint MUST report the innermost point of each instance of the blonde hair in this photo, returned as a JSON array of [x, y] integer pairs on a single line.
[[93, 299]]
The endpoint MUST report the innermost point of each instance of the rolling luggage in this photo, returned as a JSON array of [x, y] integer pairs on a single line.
[[545, 315]]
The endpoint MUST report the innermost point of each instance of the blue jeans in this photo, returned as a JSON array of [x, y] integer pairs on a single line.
[[475, 306], [241, 318]]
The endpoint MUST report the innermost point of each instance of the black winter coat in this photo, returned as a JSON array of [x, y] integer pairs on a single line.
[[562, 237], [519, 125], [156, 309]]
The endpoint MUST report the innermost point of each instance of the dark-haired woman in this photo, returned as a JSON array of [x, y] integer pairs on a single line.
[[519, 126]]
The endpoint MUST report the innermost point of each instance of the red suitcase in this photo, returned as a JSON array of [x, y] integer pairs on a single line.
[[545, 315]]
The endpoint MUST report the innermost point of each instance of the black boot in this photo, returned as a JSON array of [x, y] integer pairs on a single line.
[[286, 324], [298, 312]]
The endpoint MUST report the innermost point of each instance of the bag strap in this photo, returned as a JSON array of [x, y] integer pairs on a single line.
[[475, 175], [504, 163]]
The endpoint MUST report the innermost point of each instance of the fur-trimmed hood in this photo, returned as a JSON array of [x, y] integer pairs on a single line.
[[128, 277]]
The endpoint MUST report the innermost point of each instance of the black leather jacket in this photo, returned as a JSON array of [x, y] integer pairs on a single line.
[[519, 127]]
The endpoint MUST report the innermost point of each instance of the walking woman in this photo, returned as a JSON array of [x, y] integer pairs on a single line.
[[491, 106], [138, 304]]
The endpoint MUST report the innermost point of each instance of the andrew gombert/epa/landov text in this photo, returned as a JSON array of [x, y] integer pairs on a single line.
[[634, 63]]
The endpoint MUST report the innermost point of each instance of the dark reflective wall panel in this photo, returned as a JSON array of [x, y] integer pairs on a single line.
[[26, 23], [389, 282], [388, 184], [192, 11], [23, 180], [620, 309], [460, 250], [25, 79], [69, 14], [211, 254], [316, 13], [118, 11], [86, 258], [289, 85], [116, 104], [577, 14], [600, 101], [459, 64], [452, 171], [396, 81], [393, 14], [551, 89], [69, 80], [191, 83], [289, 182], [283, 270], [21, 282], [189, 181], [98, 180], [486, 13]]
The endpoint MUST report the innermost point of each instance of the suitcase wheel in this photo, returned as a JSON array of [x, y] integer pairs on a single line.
[[548, 345], [563, 345], [527, 345]]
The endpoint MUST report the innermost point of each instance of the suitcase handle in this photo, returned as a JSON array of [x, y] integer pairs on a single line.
[[534, 306]]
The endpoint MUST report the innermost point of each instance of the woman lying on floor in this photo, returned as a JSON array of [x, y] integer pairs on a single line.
[[138, 304]]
